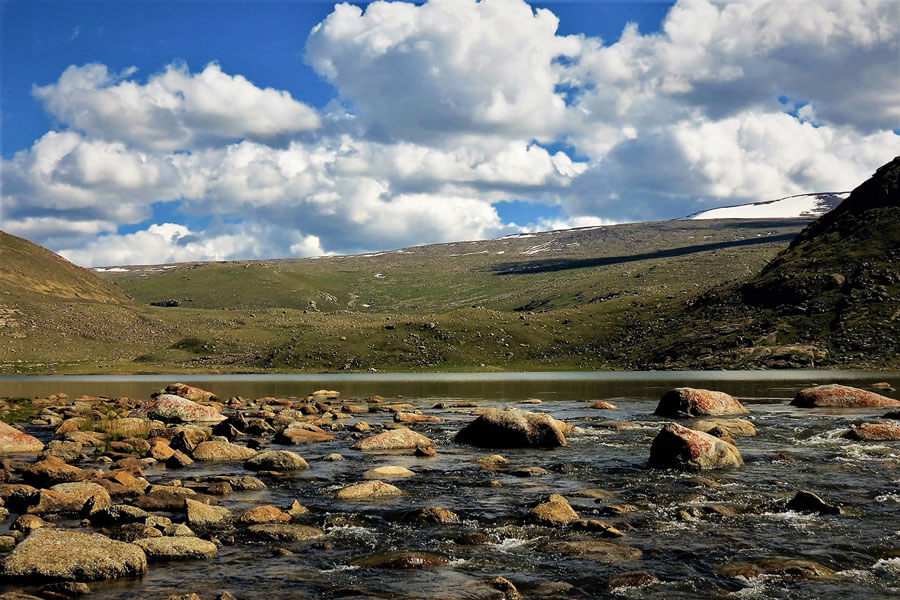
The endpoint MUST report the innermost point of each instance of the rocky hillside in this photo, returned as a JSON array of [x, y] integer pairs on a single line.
[[830, 298]]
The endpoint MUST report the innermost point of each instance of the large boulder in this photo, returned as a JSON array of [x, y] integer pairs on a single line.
[[175, 409], [678, 447], [49, 554], [224, 451], [840, 396], [13, 441], [690, 402], [396, 439], [513, 428]]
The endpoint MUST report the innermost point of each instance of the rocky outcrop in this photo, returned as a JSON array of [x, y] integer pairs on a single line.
[[690, 402], [513, 428], [13, 441], [840, 396], [49, 554], [677, 447], [175, 409], [397, 439]]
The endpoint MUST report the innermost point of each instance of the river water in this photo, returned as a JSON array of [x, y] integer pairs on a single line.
[[685, 525]]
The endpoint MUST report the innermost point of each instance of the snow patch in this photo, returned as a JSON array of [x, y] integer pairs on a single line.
[[803, 205]]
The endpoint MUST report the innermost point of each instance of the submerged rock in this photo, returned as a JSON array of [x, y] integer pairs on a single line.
[[840, 396], [513, 428], [13, 441], [807, 502], [631, 579], [786, 567], [175, 409], [401, 560], [595, 550], [58, 554], [690, 402], [678, 447]]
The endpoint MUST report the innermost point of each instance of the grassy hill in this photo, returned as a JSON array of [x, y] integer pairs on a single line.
[[830, 298], [672, 294], [55, 315]]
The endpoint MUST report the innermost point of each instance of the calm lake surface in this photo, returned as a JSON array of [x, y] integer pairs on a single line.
[[685, 525]]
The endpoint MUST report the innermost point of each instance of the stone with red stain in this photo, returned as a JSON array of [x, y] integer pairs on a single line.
[[690, 402], [874, 431], [678, 447], [190, 392], [13, 441], [175, 409], [840, 396]]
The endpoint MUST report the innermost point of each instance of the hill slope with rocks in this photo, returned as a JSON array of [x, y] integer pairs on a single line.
[[829, 298]]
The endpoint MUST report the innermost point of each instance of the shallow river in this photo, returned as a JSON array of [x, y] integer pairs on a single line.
[[682, 541]]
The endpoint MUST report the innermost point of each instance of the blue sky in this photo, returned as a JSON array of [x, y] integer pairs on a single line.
[[162, 131]]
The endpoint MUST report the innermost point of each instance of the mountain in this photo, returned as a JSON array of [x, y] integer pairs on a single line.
[[829, 298], [799, 206]]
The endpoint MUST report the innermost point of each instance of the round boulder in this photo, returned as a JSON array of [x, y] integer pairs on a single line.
[[690, 402], [677, 447], [513, 428]]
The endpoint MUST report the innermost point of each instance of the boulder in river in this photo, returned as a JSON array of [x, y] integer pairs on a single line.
[[13, 441], [369, 490], [397, 439], [678, 447], [840, 396], [555, 511], [175, 409], [223, 451], [50, 554], [302, 433], [177, 548], [808, 502], [285, 532], [875, 431], [513, 428], [690, 402], [276, 460]]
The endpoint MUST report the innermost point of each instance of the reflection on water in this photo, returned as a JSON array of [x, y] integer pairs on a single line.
[[685, 525]]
